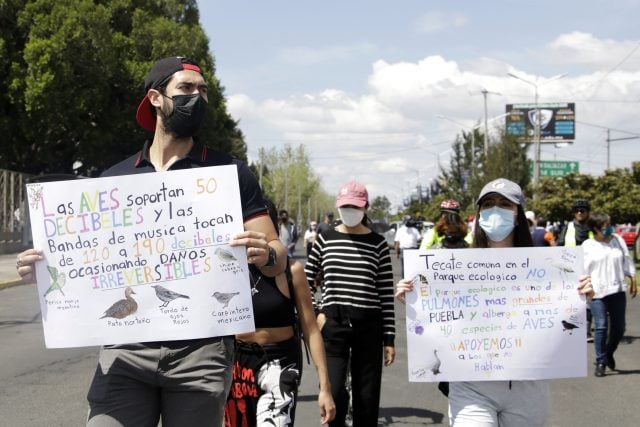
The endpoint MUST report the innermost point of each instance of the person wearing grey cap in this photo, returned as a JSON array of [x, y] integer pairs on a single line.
[[501, 224], [184, 382]]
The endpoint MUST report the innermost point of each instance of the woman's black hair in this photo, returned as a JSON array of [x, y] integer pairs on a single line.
[[365, 219], [597, 220], [521, 233]]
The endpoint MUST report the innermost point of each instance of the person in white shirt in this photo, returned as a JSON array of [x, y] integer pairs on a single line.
[[310, 235], [606, 259], [407, 237]]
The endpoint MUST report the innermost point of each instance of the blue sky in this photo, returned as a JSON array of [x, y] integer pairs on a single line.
[[360, 83]]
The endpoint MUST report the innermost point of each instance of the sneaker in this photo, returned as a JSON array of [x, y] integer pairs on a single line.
[[611, 362], [589, 337], [600, 368]]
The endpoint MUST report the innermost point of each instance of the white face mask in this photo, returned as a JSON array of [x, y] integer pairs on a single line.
[[497, 223], [351, 216]]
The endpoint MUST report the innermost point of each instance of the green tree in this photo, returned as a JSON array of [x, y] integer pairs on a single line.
[[454, 182], [616, 193], [506, 159], [555, 195], [73, 74], [379, 209], [468, 172], [288, 181], [635, 171]]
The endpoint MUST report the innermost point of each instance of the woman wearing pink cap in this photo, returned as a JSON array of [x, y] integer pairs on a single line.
[[356, 309]]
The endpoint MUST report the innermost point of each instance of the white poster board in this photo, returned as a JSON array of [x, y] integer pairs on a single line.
[[495, 314], [141, 257]]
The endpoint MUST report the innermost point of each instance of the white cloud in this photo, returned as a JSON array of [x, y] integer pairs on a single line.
[[434, 22], [384, 136], [242, 104], [584, 48], [330, 111]]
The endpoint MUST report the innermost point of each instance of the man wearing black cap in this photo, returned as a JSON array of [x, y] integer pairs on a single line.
[[577, 231], [185, 382]]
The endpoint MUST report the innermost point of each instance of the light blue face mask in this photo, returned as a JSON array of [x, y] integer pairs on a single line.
[[497, 223]]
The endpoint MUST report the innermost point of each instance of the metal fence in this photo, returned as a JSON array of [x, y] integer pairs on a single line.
[[12, 188]]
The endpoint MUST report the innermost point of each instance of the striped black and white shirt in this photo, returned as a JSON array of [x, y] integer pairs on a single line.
[[357, 274]]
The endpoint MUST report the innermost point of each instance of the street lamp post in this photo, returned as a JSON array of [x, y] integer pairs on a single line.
[[485, 92], [536, 127]]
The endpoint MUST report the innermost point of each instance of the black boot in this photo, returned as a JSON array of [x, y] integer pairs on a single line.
[[611, 362], [600, 367]]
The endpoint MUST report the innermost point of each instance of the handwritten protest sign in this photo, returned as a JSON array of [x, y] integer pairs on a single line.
[[495, 314], [141, 258]]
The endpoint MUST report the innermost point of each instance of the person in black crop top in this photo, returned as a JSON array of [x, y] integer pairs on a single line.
[[267, 368]]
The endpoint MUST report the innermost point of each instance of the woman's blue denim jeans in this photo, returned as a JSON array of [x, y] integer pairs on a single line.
[[608, 319]]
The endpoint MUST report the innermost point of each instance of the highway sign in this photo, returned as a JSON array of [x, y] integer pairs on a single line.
[[552, 168]]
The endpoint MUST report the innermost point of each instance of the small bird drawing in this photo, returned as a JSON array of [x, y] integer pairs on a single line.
[[166, 296], [563, 267], [568, 326], [419, 279], [225, 255], [124, 307], [435, 366], [57, 281], [224, 298]]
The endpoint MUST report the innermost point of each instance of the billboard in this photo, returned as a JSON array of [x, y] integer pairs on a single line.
[[557, 121]]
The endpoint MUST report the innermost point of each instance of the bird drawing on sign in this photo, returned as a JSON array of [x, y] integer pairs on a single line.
[[568, 326], [224, 298], [419, 279], [435, 366], [563, 267], [57, 281], [124, 307], [166, 296], [224, 255]]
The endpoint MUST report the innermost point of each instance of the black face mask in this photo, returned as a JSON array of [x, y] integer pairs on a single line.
[[187, 116]]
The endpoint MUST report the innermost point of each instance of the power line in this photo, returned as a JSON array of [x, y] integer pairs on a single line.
[[602, 79], [608, 128]]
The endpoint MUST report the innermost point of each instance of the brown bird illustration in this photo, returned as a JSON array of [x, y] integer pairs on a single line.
[[124, 307], [224, 298]]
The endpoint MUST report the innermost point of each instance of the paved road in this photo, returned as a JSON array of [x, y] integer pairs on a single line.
[[43, 387]]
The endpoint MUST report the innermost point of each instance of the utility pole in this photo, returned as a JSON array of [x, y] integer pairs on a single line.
[[536, 127], [609, 139]]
